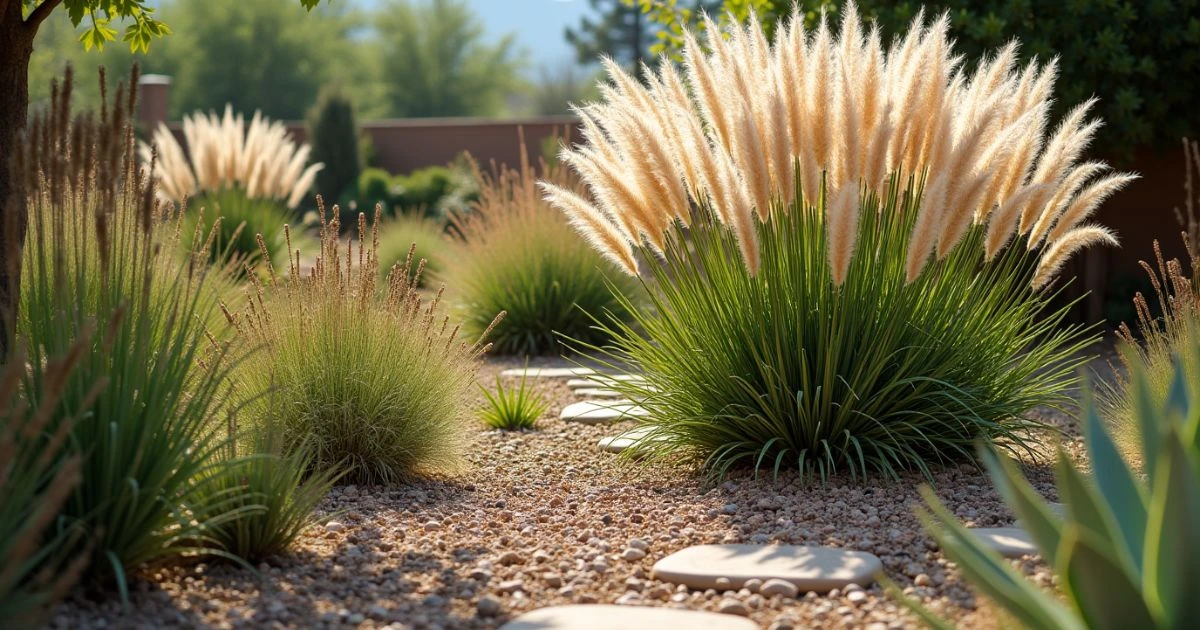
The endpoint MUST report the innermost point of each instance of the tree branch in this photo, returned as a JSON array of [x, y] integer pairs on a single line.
[[40, 13]]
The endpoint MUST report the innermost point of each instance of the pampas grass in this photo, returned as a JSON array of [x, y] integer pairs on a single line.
[[224, 152], [845, 248], [842, 106]]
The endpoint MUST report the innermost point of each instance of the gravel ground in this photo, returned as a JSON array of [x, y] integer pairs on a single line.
[[542, 518]]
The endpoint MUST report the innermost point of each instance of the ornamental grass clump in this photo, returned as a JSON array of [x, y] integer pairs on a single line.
[[513, 409], [99, 265], [249, 175], [848, 247], [398, 236], [518, 254], [368, 376]]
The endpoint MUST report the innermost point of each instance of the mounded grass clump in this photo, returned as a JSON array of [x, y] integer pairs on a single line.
[[398, 237], [368, 376], [850, 246], [519, 255]]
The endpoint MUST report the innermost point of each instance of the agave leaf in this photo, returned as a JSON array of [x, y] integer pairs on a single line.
[[1104, 594], [1179, 403], [1124, 497], [991, 574], [1043, 525], [1148, 413], [1083, 508], [1172, 546]]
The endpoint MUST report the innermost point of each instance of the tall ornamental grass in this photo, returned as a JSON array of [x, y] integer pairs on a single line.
[[97, 259], [850, 245], [518, 254], [368, 376], [397, 238], [249, 175]]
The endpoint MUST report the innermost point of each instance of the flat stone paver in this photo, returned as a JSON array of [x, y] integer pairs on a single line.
[[626, 440], [558, 372], [602, 380], [1010, 542], [610, 617], [595, 412], [1058, 509], [597, 392], [818, 569]]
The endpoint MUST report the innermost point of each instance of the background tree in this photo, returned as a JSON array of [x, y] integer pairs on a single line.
[[620, 31], [20, 21], [334, 137], [629, 31], [437, 62]]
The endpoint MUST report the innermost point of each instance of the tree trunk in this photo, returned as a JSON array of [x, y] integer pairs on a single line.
[[16, 42]]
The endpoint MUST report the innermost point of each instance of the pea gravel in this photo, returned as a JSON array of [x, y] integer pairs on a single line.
[[544, 518]]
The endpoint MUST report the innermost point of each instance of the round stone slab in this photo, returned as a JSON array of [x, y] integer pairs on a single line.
[[591, 412], [628, 439], [1010, 542], [608, 617], [597, 380], [558, 372], [1057, 509], [819, 569], [597, 392]]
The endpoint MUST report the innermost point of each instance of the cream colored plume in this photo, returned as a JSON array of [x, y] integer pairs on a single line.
[[726, 131], [260, 159]]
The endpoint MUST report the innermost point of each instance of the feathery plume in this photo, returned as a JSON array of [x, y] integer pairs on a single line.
[[1062, 249]]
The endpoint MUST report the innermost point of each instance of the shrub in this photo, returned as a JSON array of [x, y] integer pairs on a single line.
[[418, 236], [838, 300], [1126, 550], [96, 260], [335, 137], [37, 565], [517, 254], [513, 409], [1124, 53], [423, 188], [274, 492], [368, 376], [375, 186], [241, 220]]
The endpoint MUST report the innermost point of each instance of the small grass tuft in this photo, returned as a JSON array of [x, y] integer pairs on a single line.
[[512, 409], [370, 376]]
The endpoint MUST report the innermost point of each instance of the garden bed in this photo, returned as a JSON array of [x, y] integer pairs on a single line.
[[542, 518]]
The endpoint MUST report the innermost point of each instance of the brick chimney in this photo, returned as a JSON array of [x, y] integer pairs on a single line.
[[152, 104]]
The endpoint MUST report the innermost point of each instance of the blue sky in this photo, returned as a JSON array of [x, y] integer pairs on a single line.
[[538, 24]]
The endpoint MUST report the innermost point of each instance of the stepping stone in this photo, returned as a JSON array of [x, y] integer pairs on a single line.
[[626, 440], [597, 392], [607, 617], [1010, 542], [591, 412], [602, 380], [818, 569], [559, 372], [1058, 509]]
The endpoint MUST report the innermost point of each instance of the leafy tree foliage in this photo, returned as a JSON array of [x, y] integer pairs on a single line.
[[437, 63]]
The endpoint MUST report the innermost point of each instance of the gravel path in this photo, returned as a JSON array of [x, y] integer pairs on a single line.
[[542, 518]]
